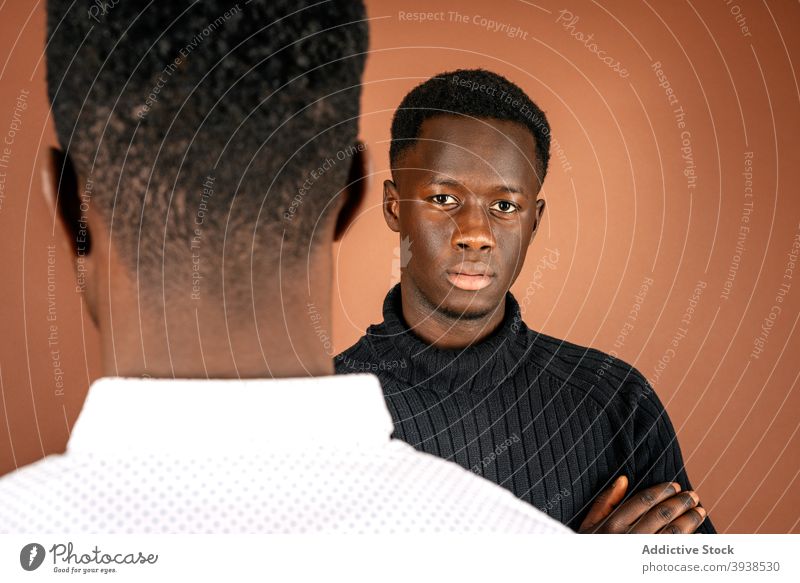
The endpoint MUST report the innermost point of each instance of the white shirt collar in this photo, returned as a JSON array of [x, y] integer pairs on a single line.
[[231, 416]]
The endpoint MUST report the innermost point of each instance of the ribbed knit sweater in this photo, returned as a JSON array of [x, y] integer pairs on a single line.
[[551, 421]]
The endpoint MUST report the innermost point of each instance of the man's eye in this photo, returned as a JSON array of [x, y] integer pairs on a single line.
[[504, 206], [443, 199]]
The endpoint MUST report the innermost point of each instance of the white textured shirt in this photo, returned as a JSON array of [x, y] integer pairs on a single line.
[[303, 455]]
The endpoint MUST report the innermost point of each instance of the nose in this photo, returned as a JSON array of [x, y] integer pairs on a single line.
[[473, 231]]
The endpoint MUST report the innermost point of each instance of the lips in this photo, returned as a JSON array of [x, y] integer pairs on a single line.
[[471, 276]]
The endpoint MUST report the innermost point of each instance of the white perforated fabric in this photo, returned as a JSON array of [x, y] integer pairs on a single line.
[[267, 456]]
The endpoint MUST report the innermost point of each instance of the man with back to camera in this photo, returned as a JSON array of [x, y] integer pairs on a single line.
[[464, 377], [219, 410]]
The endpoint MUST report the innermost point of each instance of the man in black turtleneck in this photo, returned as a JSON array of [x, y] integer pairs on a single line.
[[575, 432]]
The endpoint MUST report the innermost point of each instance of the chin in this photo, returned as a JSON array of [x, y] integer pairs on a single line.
[[468, 305]]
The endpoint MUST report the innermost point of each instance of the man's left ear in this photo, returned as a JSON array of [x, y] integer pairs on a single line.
[[355, 192], [62, 193], [537, 218]]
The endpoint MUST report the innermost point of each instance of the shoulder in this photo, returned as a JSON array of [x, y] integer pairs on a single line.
[[347, 360], [37, 496], [481, 505], [607, 379], [368, 355]]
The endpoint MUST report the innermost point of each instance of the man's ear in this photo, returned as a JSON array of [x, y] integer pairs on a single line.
[[537, 218], [62, 191], [391, 205], [355, 192]]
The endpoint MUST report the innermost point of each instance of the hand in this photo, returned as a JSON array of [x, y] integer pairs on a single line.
[[660, 509]]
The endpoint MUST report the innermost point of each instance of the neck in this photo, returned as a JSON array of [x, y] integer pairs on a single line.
[[441, 329], [401, 354], [280, 331]]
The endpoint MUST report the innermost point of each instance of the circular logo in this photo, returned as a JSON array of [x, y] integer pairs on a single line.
[[31, 556]]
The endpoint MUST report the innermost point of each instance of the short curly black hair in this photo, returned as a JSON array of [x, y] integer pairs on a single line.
[[473, 93], [213, 114]]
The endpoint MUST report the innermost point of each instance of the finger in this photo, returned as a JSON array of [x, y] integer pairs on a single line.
[[605, 502], [642, 502], [687, 523], [665, 512]]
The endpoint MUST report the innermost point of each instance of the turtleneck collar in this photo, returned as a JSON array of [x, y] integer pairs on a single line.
[[479, 367]]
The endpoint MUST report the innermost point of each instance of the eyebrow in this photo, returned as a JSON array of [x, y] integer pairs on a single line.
[[442, 181]]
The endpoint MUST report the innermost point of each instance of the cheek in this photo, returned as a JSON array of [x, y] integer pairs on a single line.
[[511, 253], [429, 243], [424, 256]]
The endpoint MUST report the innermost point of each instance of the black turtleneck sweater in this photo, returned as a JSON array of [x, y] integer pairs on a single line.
[[551, 421]]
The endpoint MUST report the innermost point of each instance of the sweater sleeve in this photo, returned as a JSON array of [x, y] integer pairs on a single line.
[[657, 455]]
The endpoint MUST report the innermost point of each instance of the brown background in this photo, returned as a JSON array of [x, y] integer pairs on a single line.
[[619, 210]]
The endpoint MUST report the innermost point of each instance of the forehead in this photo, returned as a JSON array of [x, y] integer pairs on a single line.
[[474, 151]]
